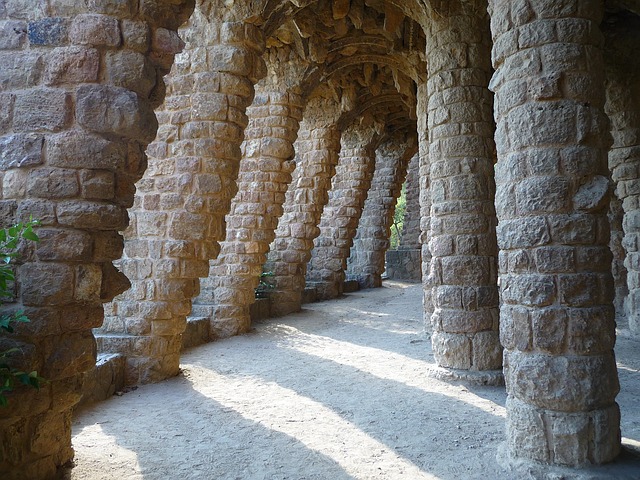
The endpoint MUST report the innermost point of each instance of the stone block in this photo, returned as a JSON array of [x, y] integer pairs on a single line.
[[130, 70], [71, 65], [49, 31], [108, 109], [46, 283], [529, 290], [43, 210], [88, 280], [526, 432], [451, 350], [591, 330], [52, 183], [549, 327], [116, 8], [42, 109], [6, 111], [93, 29], [565, 384], [80, 317], [487, 351], [166, 42], [63, 245], [97, 184], [12, 34], [570, 438], [73, 353], [91, 215], [136, 35], [20, 150], [83, 150]]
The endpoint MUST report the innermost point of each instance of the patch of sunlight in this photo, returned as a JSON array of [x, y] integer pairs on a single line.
[[383, 364], [316, 426], [627, 368], [631, 443], [96, 445]]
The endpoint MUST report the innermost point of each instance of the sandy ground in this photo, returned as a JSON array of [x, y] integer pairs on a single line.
[[338, 391]]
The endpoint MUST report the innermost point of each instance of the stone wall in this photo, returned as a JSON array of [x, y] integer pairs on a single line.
[[79, 83]]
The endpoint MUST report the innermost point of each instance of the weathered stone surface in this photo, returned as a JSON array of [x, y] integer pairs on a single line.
[[72, 65], [107, 109], [561, 381], [21, 150]]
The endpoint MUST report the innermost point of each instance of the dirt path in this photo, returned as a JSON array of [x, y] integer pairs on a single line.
[[337, 391]]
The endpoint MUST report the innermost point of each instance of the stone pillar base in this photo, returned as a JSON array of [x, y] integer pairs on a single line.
[[483, 377], [626, 466]]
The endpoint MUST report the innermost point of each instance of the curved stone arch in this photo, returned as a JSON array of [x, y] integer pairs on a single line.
[[178, 218], [316, 75], [366, 262], [374, 102]]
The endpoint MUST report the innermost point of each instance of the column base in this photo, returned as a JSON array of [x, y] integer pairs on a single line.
[[625, 467], [474, 377]]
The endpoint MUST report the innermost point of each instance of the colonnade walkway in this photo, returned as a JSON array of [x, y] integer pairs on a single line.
[[345, 389]]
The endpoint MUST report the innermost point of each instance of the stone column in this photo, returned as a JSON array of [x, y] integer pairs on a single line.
[[178, 216], [461, 153], [317, 150], [424, 170], [623, 105], [79, 84], [367, 259], [341, 215], [265, 174], [557, 318], [410, 237]]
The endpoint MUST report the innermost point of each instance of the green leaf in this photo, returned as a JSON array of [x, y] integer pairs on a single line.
[[29, 235]]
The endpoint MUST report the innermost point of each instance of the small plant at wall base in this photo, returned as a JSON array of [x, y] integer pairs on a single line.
[[263, 288], [9, 240]]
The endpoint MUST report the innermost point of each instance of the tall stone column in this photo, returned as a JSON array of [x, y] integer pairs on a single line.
[[557, 318], [424, 170], [341, 215], [265, 174], [178, 216], [317, 150], [371, 242], [79, 84], [623, 105], [410, 237], [461, 153]]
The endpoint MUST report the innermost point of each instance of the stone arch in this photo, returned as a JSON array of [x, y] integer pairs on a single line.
[[366, 262], [178, 218], [265, 174]]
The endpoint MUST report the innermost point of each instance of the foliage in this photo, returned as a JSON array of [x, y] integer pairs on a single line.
[[9, 242], [265, 285], [398, 218]]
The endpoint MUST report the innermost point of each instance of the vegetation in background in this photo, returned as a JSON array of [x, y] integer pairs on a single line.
[[9, 241], [398, 218]]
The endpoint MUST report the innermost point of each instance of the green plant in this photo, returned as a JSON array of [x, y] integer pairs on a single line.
[[398, 218], [264, 286], [9, 242]]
